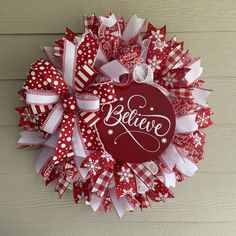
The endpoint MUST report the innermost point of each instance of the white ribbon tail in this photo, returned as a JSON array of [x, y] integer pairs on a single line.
[[172, 158], [133, 28], [77, 143], [145, 47], [83, 171], [121, 205], [95, 202], [195, 72], [169, 179], [53, 119], [31, 138], [141, 187], [69, 62], [52, 141], [187, 167], [100, 60], [108, 21], [200, 95], [43, 157], [186, 123]]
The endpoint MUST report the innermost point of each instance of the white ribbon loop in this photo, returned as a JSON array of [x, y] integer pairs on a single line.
[[114, 70], [121, 205], [41, 97], [145, 47], [143, 74], [88, 102]]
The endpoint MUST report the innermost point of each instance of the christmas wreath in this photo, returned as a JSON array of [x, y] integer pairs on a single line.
[[118, 113]]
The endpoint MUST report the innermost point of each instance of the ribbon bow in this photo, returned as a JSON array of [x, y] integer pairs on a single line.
[[66, 109]]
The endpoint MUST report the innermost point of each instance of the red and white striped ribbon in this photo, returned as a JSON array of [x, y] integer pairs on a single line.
[[90, 118], [84, 77], [36, 109], [58, 51]]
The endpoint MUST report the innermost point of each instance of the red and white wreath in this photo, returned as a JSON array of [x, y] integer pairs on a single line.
[[117, 112]]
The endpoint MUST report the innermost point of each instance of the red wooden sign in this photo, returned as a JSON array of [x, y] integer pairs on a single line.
[[139, 126]]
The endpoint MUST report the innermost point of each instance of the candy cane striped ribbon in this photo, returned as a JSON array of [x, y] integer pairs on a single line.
[[84, 77]]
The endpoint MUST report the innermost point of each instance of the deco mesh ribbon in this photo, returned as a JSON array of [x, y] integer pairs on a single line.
[[63, 95]]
